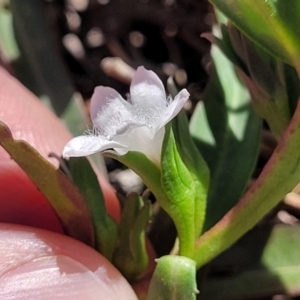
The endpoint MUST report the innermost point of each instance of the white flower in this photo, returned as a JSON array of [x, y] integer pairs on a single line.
[[133, 125]]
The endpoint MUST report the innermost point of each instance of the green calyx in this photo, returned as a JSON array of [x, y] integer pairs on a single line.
[[174, 278]]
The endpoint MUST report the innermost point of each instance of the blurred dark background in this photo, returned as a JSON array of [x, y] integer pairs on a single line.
[[162, 35]]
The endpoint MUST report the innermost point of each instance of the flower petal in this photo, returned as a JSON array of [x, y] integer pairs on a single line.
[[173, 109], [88, 144], [148, 97], [109, 111], [146, 82]]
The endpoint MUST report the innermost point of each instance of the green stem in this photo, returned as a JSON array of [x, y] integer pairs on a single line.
[[151, 176], [279, 176]]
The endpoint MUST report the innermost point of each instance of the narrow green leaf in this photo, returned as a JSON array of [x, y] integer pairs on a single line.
[[273, 84], [39, 67], [273, 24], [130, 255], [138, 239], [227, 132], [63, 196], [7, 38], [105, 227], [75, 116], [196, 165], [224, 42], [132, 205], [269, 268], [193, 160], [181, 190], [174, 279]]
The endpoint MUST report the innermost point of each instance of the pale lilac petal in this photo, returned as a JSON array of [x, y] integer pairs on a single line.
[[88, 144], [173, 109], [109, 111], [147, 92], [101, 95]]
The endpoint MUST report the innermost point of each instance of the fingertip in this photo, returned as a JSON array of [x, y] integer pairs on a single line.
[[35, 263], [22, 203], [58, 277]]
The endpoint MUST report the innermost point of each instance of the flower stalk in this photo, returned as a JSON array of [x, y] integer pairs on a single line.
[[152, 177]]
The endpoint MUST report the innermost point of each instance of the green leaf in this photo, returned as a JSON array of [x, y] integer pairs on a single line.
[[130, 255], [269, 268], [227, 132], [196, 165], [105, 228], [174, 279], [182, 190], [138, 238], [39, 66], [272, 24], [226, 45], [273, 85], [7, 39], [193, 160], [75, 116], [63, 196]]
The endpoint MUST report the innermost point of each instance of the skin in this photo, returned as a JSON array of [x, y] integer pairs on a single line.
[[36, 263]]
